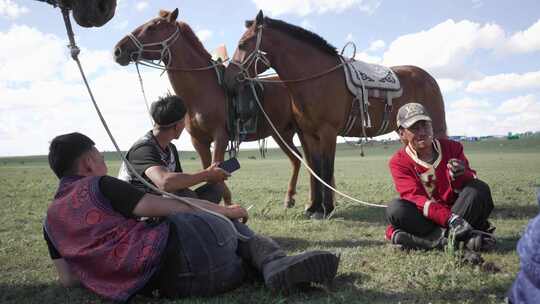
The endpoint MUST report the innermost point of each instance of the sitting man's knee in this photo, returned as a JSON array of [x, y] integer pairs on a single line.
[[477, 187], [395, 209]]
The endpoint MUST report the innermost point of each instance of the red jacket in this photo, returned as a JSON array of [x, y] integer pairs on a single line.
[[430, 187]]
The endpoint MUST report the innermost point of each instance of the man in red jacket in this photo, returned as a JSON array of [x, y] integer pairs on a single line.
[[438, 191]]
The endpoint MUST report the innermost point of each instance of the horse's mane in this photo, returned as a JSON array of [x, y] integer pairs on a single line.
[[301, 34], [188, 34]]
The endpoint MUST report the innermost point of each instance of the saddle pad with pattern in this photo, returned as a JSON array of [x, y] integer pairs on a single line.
[[373, 76]]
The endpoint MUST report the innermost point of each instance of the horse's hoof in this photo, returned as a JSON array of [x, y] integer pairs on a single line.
[[289, 203]]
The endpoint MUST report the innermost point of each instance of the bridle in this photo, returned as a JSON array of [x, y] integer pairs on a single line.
[[256, 56], [165, 50]]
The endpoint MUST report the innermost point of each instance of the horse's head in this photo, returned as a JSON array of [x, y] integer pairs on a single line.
[[249, 58], [89, 13], [150, 41]]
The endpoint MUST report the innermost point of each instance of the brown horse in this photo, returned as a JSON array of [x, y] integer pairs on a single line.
[[322, 103], [88, 13], [186, 60]]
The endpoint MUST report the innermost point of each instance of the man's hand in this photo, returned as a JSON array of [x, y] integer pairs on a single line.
[[459, 227], [456, 167], [236, 211], [215, 174]]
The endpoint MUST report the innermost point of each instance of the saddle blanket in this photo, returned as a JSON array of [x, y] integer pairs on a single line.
[[373, 76]]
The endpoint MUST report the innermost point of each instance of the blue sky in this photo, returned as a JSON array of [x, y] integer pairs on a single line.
[[484, 54]]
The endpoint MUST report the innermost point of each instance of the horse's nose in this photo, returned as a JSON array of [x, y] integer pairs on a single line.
[[117, 52]]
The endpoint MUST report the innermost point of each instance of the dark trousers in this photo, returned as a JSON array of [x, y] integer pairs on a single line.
[[211, 261], [212, 192], [474, 204]]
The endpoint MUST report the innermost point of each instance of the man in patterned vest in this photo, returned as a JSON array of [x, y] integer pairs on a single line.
[[96, 240], [438, 191]]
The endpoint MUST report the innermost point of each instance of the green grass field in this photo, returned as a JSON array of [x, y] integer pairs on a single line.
[[370, 270]]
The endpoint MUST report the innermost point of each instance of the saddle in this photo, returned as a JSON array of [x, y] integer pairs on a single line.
[[242, 111], [243, 115], [365, 80]]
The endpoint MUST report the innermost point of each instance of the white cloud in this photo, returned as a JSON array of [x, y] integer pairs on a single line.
[[476, 117], [37, 57], [444, 48], [307, 7], [40, 102], [469, 103], [525, 41], [204, 35], [376, 46], [11, 10], [520, 104], [505, 82], [363, 56], [349, 37], [141, 6], [448, 85]]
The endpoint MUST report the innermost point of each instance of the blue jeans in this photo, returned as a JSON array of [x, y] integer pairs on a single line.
[[210, 250]]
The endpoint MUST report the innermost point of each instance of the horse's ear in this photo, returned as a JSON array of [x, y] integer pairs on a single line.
[[173, 16], [260, 18], [249, 23]]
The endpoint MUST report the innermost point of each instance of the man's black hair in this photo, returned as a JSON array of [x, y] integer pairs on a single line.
[[167, 110], [65, 150]]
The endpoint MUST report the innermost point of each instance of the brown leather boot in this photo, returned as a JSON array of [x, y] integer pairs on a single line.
[[282, 272]]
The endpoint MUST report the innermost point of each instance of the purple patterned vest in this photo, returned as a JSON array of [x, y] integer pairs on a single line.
[[111, 255]]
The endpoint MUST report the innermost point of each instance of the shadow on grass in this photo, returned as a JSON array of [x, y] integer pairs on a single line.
[[349, 287], [360, 213], [506, 211], [297, 244], [45, 293], [506, 244]]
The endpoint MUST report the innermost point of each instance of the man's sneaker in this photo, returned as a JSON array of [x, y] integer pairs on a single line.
[[434, 240], [309, 267]]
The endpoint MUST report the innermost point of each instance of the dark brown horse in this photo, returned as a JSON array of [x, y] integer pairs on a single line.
[[321, 104], [206, 121], [88, 13]]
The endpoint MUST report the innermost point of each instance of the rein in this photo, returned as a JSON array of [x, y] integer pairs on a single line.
[[74, 49]]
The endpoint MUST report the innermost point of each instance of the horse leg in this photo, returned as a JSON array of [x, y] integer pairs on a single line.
[[310, 143], [203, 149], [220, 145], [328, 147], [291, 190]]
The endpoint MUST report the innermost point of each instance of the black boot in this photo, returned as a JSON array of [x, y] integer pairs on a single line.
[[434, 240], [282, 272]]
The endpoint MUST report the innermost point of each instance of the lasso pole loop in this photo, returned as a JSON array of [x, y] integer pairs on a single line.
[[74, 54]]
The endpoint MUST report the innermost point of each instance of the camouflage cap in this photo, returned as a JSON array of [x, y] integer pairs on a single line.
[[410, 113]]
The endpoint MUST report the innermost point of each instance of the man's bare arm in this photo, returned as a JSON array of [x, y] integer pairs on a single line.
[[156, 206], [173, 181]]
